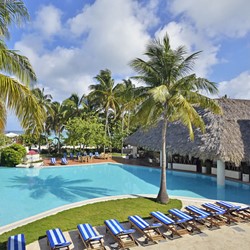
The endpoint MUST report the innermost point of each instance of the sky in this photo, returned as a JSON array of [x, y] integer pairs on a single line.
[[68, 42]]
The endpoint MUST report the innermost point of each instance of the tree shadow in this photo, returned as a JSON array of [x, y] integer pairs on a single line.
[[68, 190]]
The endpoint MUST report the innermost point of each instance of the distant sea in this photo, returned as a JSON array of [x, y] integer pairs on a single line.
[[20, 132]]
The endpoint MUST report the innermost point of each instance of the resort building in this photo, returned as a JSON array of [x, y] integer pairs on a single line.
[[223, 150]]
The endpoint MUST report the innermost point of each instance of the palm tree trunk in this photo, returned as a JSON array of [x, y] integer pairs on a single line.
[[162, 195]]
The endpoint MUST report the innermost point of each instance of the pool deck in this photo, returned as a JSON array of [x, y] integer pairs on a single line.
[[226, 237]]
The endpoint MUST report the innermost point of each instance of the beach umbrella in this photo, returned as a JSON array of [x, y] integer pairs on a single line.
[[11, 135]]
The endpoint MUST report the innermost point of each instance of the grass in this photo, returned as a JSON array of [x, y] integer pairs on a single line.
[[94, 214], [118, 154]]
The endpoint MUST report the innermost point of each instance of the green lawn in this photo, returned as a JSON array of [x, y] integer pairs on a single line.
[[94, 214]]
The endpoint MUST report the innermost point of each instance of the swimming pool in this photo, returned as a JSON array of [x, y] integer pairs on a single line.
[[27, 192]]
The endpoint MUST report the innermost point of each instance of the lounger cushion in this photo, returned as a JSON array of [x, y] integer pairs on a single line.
[[201, 213], [163, 218], [87, 232], [116, 228], [16, 242], [142, 224], [183, 217], [218, 210], [228, 205], [56, 238]]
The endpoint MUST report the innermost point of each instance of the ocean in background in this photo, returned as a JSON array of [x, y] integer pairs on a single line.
[[20, 132]]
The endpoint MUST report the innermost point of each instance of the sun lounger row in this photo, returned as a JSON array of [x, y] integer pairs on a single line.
[[177, 222]]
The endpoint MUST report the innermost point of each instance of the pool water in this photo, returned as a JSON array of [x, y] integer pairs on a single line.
[[27, 192]]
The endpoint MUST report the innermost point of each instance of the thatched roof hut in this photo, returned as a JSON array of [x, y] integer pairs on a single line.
[[227, 136]]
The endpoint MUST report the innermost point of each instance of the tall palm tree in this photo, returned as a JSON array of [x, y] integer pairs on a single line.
[[76, 105], [104, 95], [172, 93], [15, 93], [56, 122]]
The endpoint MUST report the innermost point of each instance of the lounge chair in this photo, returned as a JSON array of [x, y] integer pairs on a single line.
[[219, 213], [71, 156], [90, 156], [90, 238], [97, 155], [151, 231], [202, 217], [169, 224], [53, 161], [64, 161], [56, 239], [123, 236], [185, 220], [235, 210], [16, 242]]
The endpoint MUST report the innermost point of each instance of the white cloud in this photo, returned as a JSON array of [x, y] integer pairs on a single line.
[[238, 88], [48, 21], [228, 17], [96, 39]]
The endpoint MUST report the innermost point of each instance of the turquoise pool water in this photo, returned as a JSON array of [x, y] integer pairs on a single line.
[[27, 192]]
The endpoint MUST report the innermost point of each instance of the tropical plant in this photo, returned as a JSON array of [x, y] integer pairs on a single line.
[[56, 121], [75, 105], [12, 155], [104, 96], [172, 93], [88, 132], [11, 12], [16, 74]]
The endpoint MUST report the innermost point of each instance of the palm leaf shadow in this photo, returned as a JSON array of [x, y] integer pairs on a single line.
[[60, 187]]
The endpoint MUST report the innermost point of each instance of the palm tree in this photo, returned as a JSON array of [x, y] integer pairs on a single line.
[[57, 120], [104, 96], [44, 101], [172, 93], [11, 12], [76, 105], [15, 93]]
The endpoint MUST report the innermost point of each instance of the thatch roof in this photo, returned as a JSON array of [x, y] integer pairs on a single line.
[[227, 136]]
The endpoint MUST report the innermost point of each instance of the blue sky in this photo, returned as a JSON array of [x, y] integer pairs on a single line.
[[69, 41]]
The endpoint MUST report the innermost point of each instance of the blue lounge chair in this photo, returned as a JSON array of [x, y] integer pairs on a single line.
[[235, 210], [53, 161], [219, 213], [97, 155], [151, 231], [71, 156], [56, 239], [90, 238], [168, 223], [185, 219], [16, 242], [202, 216], [65, 155], [64, 161], [123, 236]]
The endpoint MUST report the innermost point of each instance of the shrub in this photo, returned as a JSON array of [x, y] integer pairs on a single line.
[[19, 148], [12, 155]]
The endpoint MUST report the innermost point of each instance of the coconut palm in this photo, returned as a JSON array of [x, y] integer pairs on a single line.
[[11, 12], [172, 93], [104, 96], [76, 105], [17, 74]]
